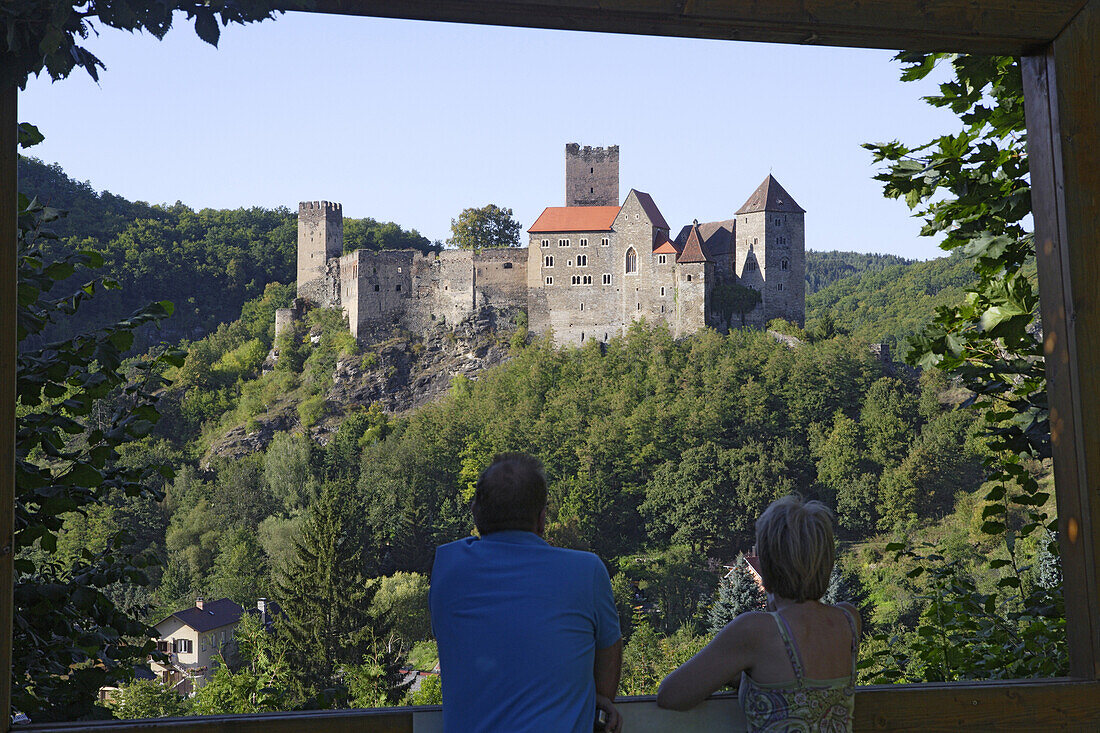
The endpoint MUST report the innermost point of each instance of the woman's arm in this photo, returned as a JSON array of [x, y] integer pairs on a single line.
[[723, 659]]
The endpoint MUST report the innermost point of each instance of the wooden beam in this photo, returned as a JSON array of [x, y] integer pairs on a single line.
[[1003, 706], [975, 26], [1062, 93], [9, 212]]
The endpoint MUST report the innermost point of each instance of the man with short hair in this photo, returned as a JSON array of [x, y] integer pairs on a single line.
[[528, 634]]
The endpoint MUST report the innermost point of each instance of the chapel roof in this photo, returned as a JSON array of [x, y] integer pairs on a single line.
[[650, 209], [770, 196], [693, 247], [575, 219]]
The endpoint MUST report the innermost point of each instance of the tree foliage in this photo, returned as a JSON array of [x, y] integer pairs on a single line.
[[737, 593], [77, 404], [972, 189], [487, 226]]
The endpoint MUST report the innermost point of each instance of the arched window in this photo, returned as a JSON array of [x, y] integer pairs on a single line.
[[631, 261], [785, 264]]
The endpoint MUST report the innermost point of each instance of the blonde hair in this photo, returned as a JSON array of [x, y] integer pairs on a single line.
[[794, 541]]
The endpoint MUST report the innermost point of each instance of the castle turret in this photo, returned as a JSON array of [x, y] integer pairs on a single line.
[[771, 251], [320, 239], [591, 176]]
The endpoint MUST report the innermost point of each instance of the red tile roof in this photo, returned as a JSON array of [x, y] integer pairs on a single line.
[[693, 247], [665, 246], [650, 209], [575, 219], [770, 196]]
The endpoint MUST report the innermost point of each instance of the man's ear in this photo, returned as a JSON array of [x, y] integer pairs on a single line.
[[540, 525]]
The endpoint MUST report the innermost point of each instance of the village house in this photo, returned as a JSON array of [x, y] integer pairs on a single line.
[[193, 638]]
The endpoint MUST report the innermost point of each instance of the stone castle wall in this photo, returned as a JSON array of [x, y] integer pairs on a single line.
[[591, 176], [764, 242], [577, 305]]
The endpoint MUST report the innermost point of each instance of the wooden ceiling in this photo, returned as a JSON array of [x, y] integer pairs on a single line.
[[1010, 27]]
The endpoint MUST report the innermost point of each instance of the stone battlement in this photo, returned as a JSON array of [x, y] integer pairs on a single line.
[[320, 206], [588, 151]]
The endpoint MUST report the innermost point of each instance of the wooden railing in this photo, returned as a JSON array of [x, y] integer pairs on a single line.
[[1065, 704]]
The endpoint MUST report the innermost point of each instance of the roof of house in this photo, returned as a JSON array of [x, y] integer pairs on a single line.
[[212, 615], [717, 237], [267, 618], [770, 196], [693, 247], [650, 209], [576, 219]]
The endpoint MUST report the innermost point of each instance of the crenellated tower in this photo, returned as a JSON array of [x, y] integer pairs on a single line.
[[591, 175], [320, 239]]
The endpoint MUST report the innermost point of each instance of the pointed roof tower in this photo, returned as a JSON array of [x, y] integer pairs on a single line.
[[770, 196], [693, 247]]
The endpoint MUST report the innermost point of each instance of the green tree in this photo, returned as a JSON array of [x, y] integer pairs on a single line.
[[843, 470], [146, 699], [430, 692], [379, 680], [325, 596], [737, 594], [287, 470], [400, 608], [488, 226], [77, 404], [261, 680]]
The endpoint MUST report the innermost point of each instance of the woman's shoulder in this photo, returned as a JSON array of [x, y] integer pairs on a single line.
[[852, 611]]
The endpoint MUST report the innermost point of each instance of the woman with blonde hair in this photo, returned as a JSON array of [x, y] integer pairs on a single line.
[[797, 661]]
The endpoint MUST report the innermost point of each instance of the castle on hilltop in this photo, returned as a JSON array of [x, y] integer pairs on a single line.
[[591, 269]]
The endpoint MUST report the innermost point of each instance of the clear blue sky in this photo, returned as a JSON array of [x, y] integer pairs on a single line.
[[411, 122]]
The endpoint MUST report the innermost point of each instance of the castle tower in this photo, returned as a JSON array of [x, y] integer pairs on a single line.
[[771, 251], [320, 239], [591, 176]]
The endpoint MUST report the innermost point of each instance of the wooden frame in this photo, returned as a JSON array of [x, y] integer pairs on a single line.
[[1060, 40]]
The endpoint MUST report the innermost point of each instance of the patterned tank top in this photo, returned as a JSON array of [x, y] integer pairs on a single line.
[[802, 704]]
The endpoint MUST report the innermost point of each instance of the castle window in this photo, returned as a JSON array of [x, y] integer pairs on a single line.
[[507, 266], [582, 260], [590, 190], [591, 170], [689, 278], [587, 279], [546, 243], [662, 309], [662, 291], [582, 306], [631, 261], [779, 286], [605, 241], [376, 288], [777, 221], [569, 263], [662, 259], [639, 306], [399, 287], [550, 281], [548, 261], [584, 242], [607, 278], [785, 264], [563, 242], [754, 240]]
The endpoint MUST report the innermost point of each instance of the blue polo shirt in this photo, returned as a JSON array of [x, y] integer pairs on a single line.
[[518, 623]]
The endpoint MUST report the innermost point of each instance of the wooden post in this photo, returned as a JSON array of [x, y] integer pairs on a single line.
[[1062, 93], [9, 140]]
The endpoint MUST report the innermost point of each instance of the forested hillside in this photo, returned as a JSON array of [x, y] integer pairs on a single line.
[[206, 262], [888, 303], [825, 268]]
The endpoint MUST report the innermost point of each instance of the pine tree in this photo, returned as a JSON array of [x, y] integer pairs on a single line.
[[737, 594], [325, 597]]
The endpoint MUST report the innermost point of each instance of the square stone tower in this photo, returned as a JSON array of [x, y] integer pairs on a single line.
[[591, 176], [320, 239], [771, 251]]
